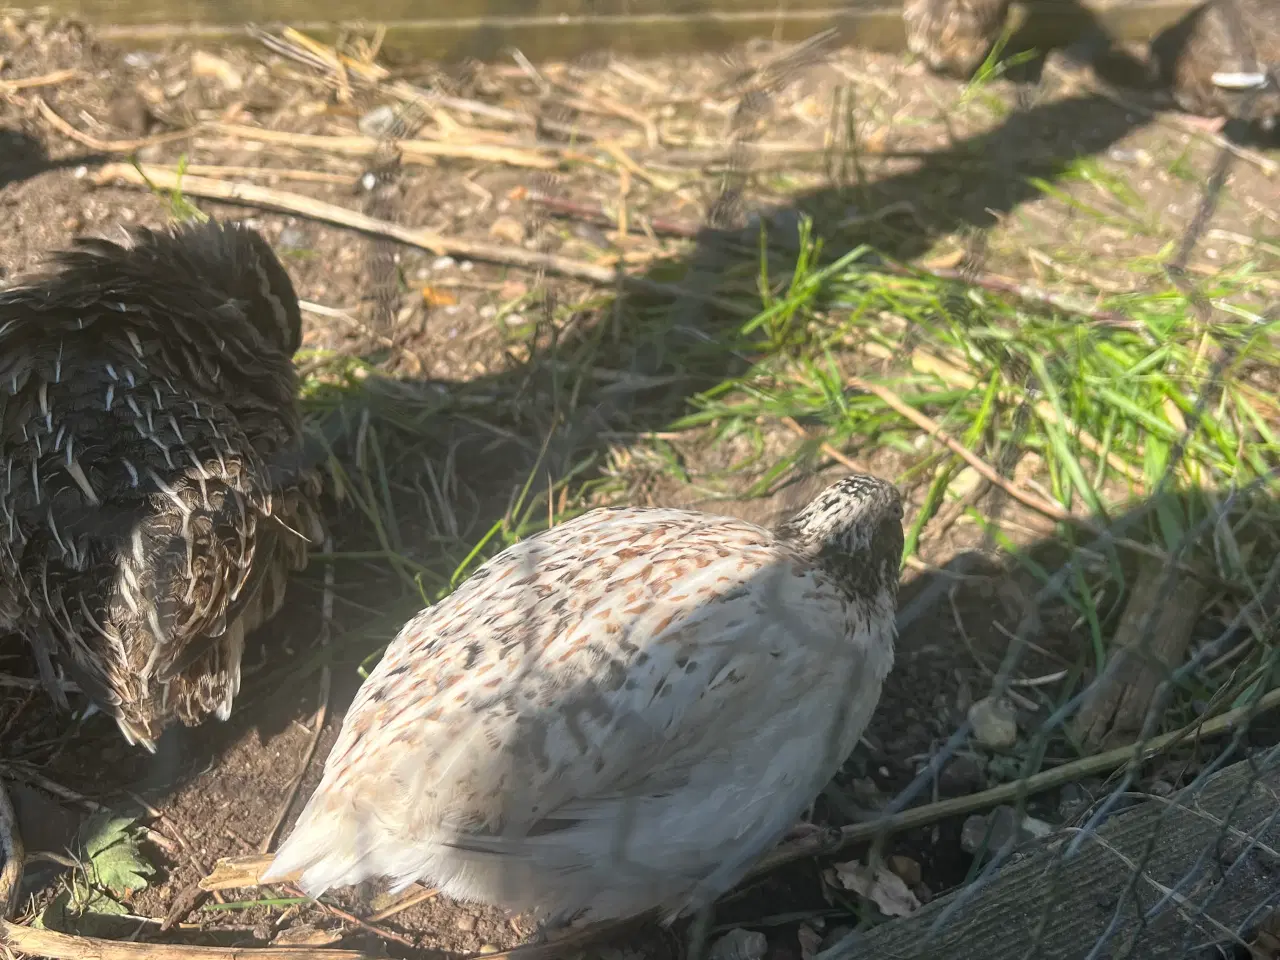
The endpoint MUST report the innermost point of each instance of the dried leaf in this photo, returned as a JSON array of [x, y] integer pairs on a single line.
[[882, 887], [438, 298]]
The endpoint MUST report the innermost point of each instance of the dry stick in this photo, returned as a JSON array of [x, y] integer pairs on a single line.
[[106, 146], [62, 946], [294, 203], [13, 854], [828, 449], [306, 176], [66, 793], [893, 401], [44, 80], [164, 178], [599, 215], [414, 898], [926, 362], [411, 150], [1046, 780]]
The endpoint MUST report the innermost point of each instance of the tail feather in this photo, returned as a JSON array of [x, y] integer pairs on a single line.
[[331, 845]]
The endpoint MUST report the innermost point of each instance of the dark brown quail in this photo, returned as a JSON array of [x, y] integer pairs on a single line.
[[1219, 57], [953, 36], [153, 496]]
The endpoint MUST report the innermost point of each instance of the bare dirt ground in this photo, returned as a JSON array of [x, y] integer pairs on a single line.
[[914, 166]]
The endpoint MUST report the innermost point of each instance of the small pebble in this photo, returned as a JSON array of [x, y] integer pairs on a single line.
[[739, 944], [994, 723], [1003, 824], [466, 266], [964, 774], [443, 263], [1073, 801], [293, 238], [906, 868], [466, 922]]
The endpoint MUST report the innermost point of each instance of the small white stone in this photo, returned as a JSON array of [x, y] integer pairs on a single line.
[[994, 723]]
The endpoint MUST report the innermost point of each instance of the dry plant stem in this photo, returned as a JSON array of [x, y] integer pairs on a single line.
[[352, 918], [411, 151], [598, 215], [828, 449], [1119, 704], [1046, 780], [62, 946], [12, 857], [65, 793], [251, 195], [44, 80], [283, 173], [1051, 510], [412, 899], [926, 362], [105, 146]]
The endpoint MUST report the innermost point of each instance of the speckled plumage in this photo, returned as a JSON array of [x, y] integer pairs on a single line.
[[1218, 53], [953, 36], [152, 498], [621, 713]]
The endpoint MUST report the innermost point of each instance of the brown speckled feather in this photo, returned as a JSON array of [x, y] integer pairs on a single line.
[[618, 714], [152, 499], [1222, 38], [953, 36]]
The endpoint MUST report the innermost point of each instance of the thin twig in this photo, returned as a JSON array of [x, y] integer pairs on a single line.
[[106, 146], [12, 853], [413, 898], [828, 449], [410, 150], [163, 178], [63, 946], [44, 80], [29, 683], [249, 194], [1046, 780], [598, 215], [66, 793], [934, 429]]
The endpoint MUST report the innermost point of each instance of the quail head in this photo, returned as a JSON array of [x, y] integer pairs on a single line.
[[153, 496]]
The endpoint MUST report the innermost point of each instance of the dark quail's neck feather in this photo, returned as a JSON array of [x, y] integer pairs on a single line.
[[854, 529]]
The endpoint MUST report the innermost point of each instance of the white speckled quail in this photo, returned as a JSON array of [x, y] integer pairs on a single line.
[[619, 714], [152, 493], [1218, 55], [953, 36]]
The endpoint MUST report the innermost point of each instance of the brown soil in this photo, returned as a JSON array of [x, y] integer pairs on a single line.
[[219, 789]]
